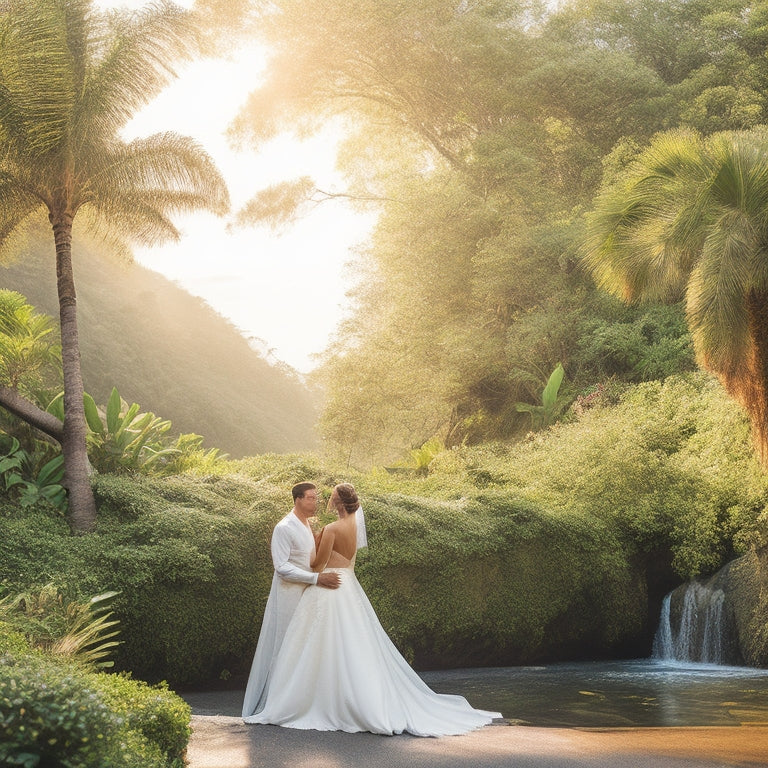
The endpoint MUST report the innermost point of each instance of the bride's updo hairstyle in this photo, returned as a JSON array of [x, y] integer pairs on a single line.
[[348, 497]]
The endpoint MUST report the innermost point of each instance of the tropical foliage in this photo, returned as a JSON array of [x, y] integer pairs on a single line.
[[690, 217], [21, 476], [121, 436], [82, 630], [551, 403], [30, 356], [70, 78]]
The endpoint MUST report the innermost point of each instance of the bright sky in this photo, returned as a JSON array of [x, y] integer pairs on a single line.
[[285, 288]]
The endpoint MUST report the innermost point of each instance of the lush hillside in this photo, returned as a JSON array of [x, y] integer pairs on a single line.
[[171, 353]]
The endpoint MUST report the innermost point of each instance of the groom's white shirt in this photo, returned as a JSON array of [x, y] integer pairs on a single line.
[[293, 546]]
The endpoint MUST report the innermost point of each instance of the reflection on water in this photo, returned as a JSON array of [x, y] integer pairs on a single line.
[[621, 693]]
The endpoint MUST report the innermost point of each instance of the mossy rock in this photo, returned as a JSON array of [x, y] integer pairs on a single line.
[[748, 591]]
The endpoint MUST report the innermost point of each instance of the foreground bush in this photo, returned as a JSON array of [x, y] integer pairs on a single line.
[[54, 713]]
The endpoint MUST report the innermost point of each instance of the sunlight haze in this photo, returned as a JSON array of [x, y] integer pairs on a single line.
[[285, 289]]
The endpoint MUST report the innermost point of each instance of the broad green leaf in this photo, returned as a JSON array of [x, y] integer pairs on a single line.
[[56, 406], [549, 395], [125, 422], [56, 495], [10, 462], [14, 447], [51, 472], [142, 421], [113, 411], [92, 414]]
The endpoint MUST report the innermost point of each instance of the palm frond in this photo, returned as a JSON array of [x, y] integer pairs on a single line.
[[112, 236], [741, 183], [165, 162], [130, 57], [132, 216], [81, 18], [14, 229], [136, 187], [633, 244], [16, 204], [35, 112], [715, 301]]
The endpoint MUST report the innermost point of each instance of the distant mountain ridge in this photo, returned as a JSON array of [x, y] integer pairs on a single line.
[[171, 353]]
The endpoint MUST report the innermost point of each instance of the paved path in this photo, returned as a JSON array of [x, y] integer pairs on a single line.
[[221, 740]]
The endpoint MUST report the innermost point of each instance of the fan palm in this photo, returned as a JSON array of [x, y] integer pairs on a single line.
[[690, 219], [70, 78]]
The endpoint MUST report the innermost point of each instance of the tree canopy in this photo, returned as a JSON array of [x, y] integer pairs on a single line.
[[483, 132]]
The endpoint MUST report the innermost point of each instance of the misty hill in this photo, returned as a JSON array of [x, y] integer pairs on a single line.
[[171, 353]]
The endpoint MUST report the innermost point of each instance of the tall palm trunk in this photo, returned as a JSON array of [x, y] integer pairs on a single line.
[[749, 386], [82, 507]]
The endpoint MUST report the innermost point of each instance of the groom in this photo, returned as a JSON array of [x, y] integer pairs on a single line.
[[293, 546]]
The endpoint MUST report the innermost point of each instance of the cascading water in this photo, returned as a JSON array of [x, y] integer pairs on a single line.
[[693, 626]]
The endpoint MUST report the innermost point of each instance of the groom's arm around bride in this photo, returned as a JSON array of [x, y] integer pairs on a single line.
[[293, 543]]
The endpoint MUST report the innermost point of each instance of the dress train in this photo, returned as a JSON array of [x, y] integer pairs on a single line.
[[337, 670]]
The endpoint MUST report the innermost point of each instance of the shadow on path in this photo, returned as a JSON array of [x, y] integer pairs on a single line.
[[221, 740]]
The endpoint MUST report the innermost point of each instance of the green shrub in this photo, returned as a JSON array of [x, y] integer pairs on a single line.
[[11, 640], [671, 466], [191, 561], [642, 344], [497, 580], [48, 717], [155, 712], [54, 713], [280, 470]]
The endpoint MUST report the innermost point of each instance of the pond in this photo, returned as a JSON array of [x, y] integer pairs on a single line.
[[645, 692]]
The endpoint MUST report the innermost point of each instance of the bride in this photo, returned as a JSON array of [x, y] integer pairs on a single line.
[[337, 670]]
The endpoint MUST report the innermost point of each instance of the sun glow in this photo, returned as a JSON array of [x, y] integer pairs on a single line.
[[286, 289]]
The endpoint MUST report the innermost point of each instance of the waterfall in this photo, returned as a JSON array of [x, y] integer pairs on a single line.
[[663, 644], [693, 628]]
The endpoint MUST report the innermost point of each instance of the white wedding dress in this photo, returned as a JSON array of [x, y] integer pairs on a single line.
[[338, 671]]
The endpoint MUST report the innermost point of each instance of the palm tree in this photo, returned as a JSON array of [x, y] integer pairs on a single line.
[[689, 219], [70, 78]]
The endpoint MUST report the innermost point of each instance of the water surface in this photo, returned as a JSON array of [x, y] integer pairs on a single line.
[[645, 692]]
